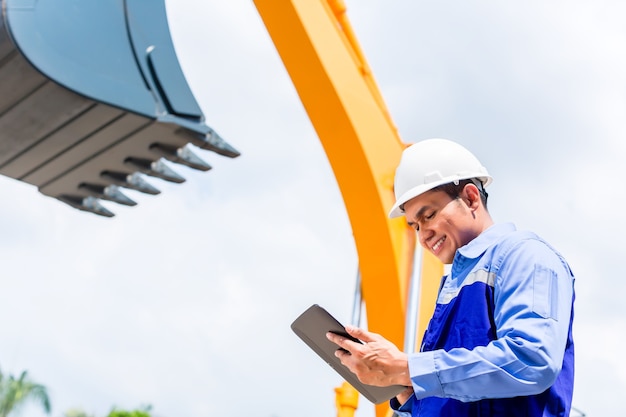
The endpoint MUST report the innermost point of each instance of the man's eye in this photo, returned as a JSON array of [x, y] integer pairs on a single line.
[[430, 216]]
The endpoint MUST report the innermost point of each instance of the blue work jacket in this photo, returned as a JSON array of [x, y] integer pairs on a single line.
[[500, 340]]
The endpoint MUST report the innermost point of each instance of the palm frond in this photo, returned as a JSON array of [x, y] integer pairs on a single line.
[[16, 392]]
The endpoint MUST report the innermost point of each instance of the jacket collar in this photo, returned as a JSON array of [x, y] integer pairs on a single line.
[[479, 245]]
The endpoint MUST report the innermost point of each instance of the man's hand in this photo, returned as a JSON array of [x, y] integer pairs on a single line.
[[375, 362], [405, 395]]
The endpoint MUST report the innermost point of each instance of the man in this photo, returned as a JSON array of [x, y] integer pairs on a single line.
[[499, 342]]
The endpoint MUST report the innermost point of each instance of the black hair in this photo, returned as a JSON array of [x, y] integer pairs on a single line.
[[455, 189]]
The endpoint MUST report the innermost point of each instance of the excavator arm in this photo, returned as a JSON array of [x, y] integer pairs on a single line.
[[322, 56]]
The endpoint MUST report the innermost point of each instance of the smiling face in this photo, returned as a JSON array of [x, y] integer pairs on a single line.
[[444, 224]]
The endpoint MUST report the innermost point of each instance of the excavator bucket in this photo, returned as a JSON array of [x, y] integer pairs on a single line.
[[93, 99]]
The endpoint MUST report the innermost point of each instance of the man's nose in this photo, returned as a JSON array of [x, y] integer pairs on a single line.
[[424, 235]]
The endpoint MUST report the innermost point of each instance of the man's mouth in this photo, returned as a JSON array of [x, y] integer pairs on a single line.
[[438, 244]]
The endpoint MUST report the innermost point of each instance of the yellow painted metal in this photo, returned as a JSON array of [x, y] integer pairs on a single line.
[[319, 50], [346, 400], [361, 145], [339, 10]]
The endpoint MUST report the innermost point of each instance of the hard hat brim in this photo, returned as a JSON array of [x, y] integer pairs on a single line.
[[396, 210]]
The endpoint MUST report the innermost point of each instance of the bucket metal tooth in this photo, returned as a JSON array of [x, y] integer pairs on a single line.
[[89, 204], [132, 181], [107, 192], [211, 141], [152, 168], [182, 155]]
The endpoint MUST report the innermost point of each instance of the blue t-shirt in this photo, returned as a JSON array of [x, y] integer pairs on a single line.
[[499, 342]]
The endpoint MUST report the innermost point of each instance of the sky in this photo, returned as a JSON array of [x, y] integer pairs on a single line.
[[184, 302]]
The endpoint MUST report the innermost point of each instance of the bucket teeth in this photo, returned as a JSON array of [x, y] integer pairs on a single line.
[[90, 204], [213, 142], [132, 181], [107, 192], [182, 155], [154, 169]]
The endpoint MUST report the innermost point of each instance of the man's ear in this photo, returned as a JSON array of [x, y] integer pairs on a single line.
[[471, 196]]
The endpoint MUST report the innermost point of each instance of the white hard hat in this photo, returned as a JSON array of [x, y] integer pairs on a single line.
[[430, 163]]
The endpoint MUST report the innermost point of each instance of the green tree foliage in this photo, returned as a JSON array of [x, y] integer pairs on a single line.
[[115, 412], [16, 392], [134, 413], [77, 412]]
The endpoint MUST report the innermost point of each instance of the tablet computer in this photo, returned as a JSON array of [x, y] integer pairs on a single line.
[[312, 326]]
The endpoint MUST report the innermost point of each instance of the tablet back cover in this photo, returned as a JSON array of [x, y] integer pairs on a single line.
[[312, 326]]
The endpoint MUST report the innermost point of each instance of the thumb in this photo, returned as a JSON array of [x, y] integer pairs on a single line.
[[361, 334]]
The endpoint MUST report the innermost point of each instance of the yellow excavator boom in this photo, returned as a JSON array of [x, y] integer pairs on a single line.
[[320, 52]]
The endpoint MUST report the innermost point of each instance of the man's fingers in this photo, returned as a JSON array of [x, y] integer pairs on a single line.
[[340, 353], [361, 334], [356, 333], [337, 339], [343, 342]]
